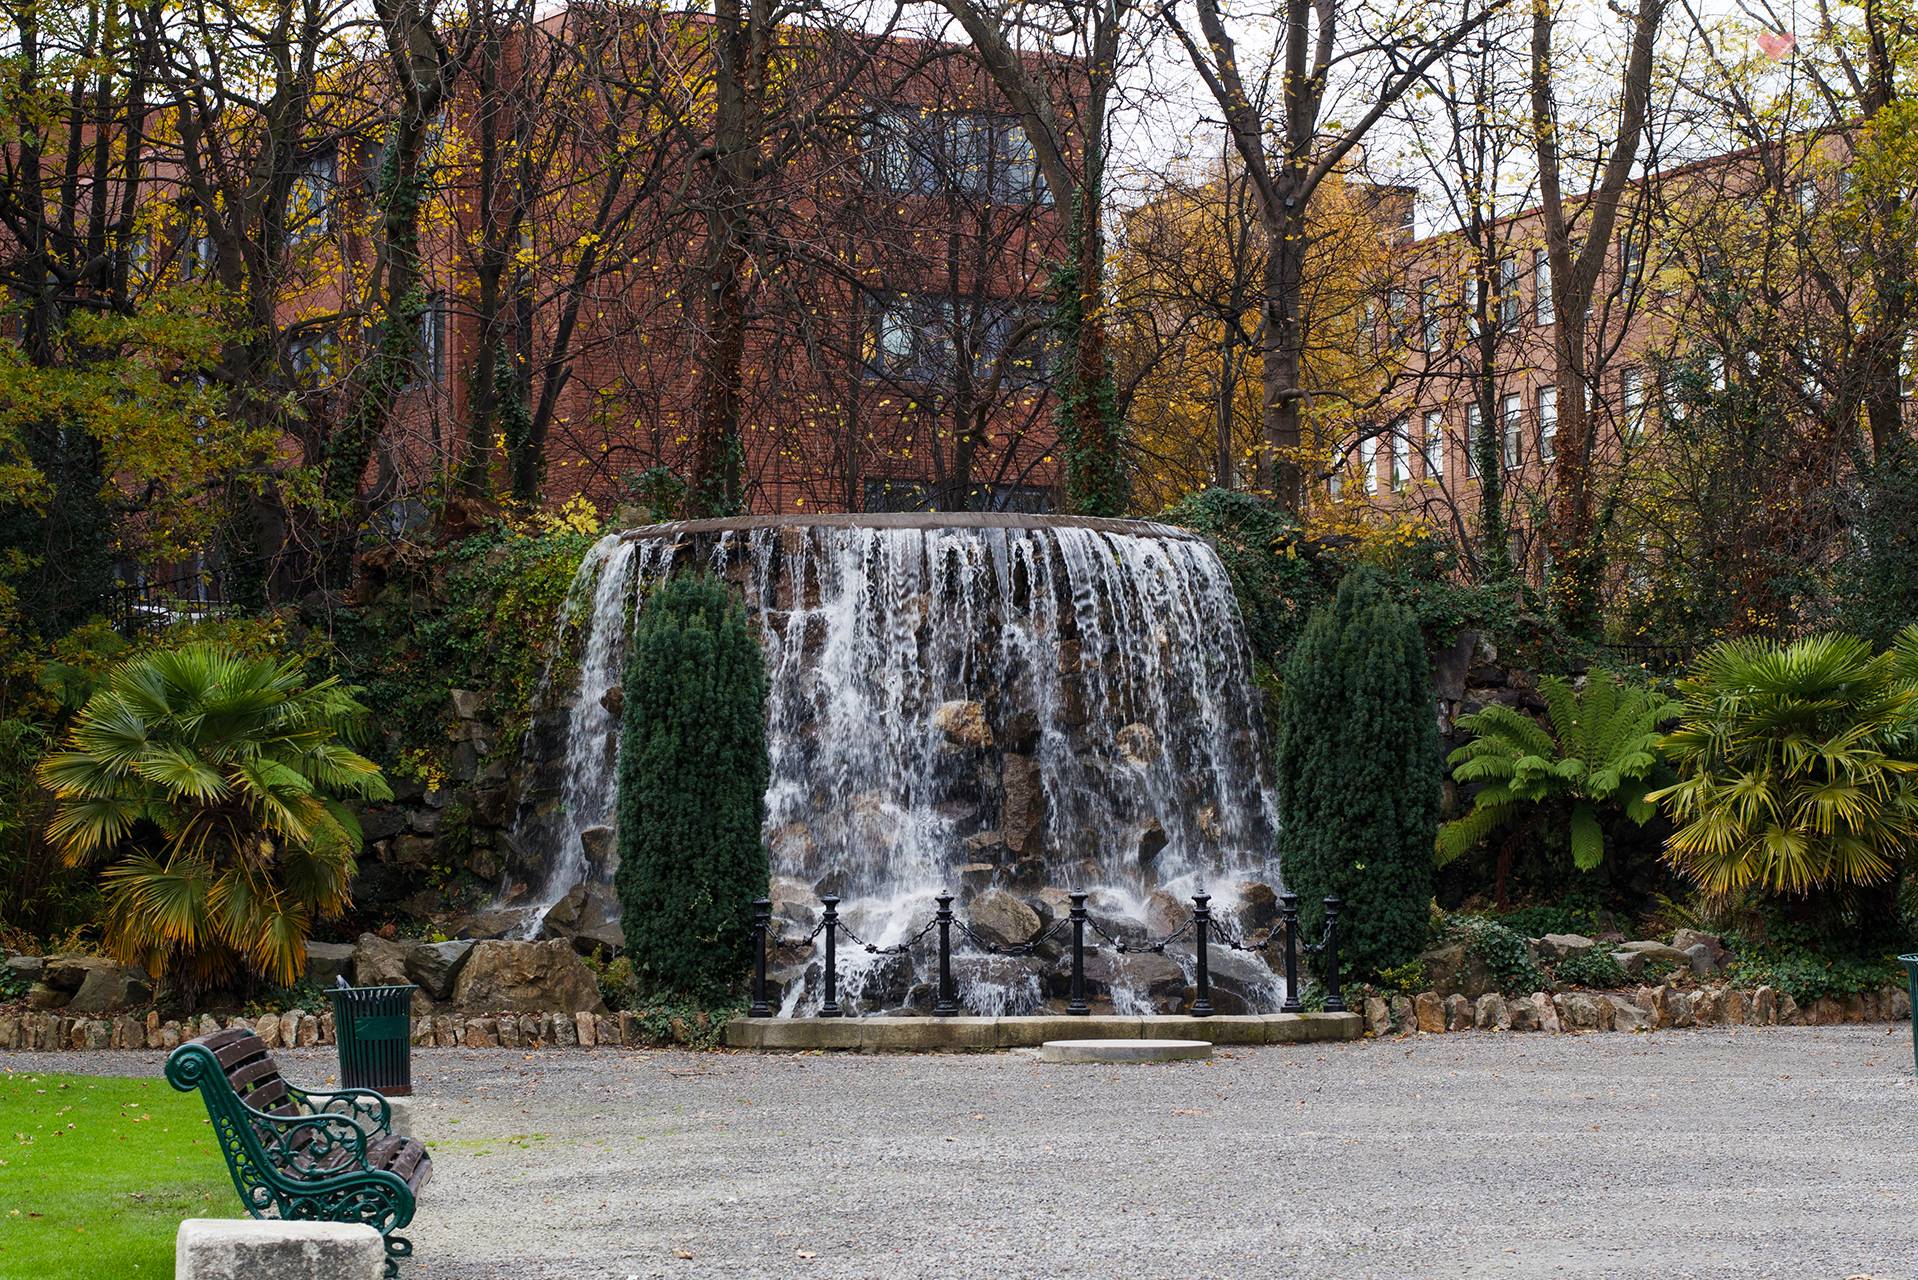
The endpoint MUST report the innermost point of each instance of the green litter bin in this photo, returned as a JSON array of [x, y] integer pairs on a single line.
[[1911, 984], [374, 1029]]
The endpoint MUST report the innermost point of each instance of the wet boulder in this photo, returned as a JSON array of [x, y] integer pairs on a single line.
[[526, 977]]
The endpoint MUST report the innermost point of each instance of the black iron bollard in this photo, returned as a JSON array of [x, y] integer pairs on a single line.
[[829, 1008], [947, 1004], [1077, 1005], [1289, 920], [1334, 1002], [1201, 926], [762, 918]]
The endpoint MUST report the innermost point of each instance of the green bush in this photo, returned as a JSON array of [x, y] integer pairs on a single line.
[[1806, 975], [1539, 920], [1503, 952], [1357, 765], [692, 791], [1594, 968]]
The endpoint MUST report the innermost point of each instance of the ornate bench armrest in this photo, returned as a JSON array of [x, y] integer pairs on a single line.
[[363, 1107], [302, 1148]]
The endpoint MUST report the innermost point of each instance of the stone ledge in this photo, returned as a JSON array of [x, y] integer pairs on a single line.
[[249, 1249], [975, 1035]]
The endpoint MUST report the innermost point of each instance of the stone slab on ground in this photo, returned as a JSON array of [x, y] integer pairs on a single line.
[[969, 1034], [1124, 1051], [268, 1249]]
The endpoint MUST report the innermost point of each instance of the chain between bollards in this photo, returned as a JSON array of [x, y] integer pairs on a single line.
[[947, 1004], [1202, 976], [762, 920], [830, 1007]]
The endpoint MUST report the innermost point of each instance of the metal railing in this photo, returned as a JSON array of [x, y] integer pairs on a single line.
[[1202, 925], [133, 608]]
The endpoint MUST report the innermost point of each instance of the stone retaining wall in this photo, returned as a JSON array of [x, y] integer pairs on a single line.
[[53, 1031], [1644, 1009]]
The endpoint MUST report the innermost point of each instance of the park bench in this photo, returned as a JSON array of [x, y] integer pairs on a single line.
[[298, 1154]]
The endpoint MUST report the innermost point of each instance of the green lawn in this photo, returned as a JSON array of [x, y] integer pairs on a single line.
[[96, 1173]]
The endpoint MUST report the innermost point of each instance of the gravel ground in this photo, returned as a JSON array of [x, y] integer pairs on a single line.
[[1789, 1152]]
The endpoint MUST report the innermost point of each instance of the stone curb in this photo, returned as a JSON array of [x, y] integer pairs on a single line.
[[980, 1035], [1643, 1009], [295, 1028]]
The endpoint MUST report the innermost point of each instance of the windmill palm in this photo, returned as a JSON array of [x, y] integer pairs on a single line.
[[210, 783], [1795, 765], [1600, 748]]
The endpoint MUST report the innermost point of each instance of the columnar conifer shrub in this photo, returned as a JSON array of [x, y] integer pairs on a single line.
[[1359, 775], [692, 790]]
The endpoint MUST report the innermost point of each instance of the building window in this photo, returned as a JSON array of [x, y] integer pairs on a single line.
[[968, 153], [309, 202], [1543, 311], [1434, 445], [1369, 462], [1401, 456], [1631, 396], [1471, 302], [1471, 440], [429, 350], [1508, 299], [1547, 423], [1431, 329], [1512, 422], [315, 358], [917, 337], [1395, 314], [1631, 265]]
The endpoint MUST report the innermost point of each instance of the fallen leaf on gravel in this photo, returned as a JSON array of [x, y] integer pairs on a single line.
[[683, 1253], [803, 1254]]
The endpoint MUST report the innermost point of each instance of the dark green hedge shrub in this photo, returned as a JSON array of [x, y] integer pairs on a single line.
[[1358, 773], [692, 791]]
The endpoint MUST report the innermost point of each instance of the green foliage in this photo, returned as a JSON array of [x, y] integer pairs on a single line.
[[1601, 750], [1502, 950], [1595, 969], [211, 784], [1537, 921], [1809, 975], [476, 615], [1408, 978], [1096, 482], [1791, 763], [1878, 583], [1357, 765], [305, 994], [692, 790]]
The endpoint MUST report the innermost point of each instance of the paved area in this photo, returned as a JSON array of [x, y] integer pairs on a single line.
[[1780, 1152]]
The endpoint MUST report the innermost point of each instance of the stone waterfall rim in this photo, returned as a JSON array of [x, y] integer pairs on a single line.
[[928, 520]]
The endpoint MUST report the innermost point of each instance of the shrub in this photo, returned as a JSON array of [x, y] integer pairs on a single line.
[[1357, 764], [1601, 749], [211, 782], [1806, 975], [1537, 921], [692, 786], [1503, 952], [1594, 968], [1790, 768]]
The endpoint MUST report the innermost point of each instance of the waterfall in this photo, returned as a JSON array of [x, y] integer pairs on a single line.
[[1023, 704]]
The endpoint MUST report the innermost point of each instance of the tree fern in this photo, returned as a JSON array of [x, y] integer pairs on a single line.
[[1601, 749]]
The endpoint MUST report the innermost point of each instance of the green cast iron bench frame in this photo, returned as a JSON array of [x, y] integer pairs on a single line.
[[303, 1155]]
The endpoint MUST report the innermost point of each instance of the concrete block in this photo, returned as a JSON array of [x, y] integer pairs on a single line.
[[1030, 1033], [1217, 1029], [1163, 1049], [1306, 1028], [248, 1249]]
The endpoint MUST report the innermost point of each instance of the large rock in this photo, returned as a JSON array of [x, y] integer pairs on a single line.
[[1580, 1011], [1001, 919], [327, 962], [493, 922], [1378, 1017], [526, 977], [1241, 983], [1459, 1013], [588, 917], [1022, 804], [600, 848], [1258, 907], [1491, 1013], [1703, 959], [1136, 984], [110, 988], [1633, 957], [435, 966], [380, 963], [1454, 969], [1627, 1015], [1428, 1008], [1686, 939], [963, 724], [1138, 745], [1561, 946]]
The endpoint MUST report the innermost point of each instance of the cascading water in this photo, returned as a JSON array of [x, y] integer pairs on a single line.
[[1005, 707]]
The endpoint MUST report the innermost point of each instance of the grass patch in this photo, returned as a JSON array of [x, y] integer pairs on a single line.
[[96, 1173]]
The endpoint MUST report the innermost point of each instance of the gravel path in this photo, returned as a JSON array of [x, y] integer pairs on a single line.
[[1789, 1152]]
